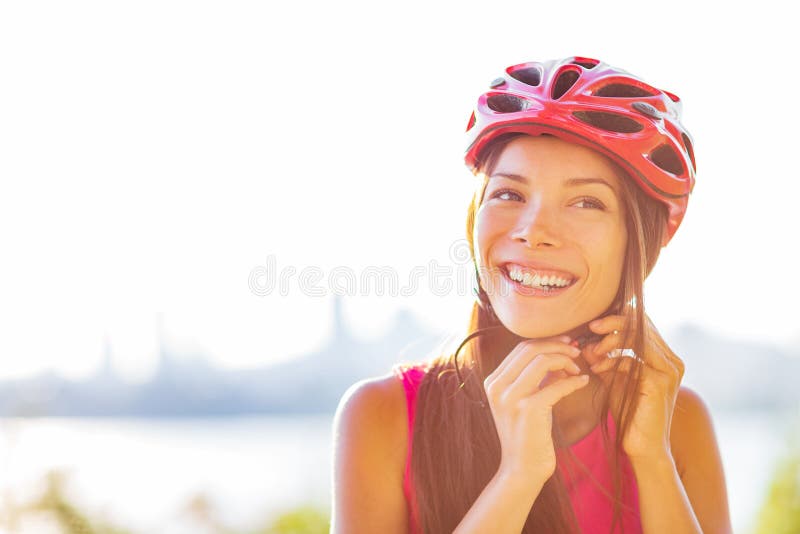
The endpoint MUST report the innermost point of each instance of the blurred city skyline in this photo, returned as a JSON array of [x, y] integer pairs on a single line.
[[189, 385]]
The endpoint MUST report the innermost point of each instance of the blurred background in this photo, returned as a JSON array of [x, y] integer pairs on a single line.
[[215, 217]]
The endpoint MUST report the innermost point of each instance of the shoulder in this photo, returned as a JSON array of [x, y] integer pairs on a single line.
[[374, 410], [375, 395], [380, 398], [692, 428], [695, 450], [690, 403], [369, 452]]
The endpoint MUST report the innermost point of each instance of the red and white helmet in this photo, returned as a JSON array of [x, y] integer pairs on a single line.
[[589, 102]]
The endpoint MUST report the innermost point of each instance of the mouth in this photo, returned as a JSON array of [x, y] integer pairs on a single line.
[[537, 282]]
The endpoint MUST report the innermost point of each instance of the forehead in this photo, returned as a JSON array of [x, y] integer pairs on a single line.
[[529, 158]]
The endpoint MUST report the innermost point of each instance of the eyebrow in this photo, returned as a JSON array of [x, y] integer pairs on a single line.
[[569, 181]]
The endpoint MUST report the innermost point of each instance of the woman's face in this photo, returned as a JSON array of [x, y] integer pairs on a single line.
[[550, 208]]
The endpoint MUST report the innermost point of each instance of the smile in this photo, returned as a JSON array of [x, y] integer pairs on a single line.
[[535, 282]]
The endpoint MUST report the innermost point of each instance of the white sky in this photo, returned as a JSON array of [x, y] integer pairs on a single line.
[[154, 153]]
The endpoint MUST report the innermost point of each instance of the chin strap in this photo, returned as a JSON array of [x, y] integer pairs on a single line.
[[585, 339]]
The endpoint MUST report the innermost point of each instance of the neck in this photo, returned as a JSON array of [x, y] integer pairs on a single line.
[[578, 413]]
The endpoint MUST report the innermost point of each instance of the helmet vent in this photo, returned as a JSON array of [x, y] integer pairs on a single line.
[[565, 80], [585, 62], [689, 148], [612, 122], [530, 76], [665, 157], [506, 103], [623, 90]]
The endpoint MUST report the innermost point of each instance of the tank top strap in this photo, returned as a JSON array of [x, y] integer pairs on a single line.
[[411, 376]]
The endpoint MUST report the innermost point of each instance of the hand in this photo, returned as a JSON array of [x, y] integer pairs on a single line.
[[522, 402], [662, 371]]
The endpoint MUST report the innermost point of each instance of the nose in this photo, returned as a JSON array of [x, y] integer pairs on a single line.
[[536, 226]]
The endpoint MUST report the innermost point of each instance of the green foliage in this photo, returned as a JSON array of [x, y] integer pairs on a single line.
[[66, 515], [304, 520], [780, 512], [55, 504]]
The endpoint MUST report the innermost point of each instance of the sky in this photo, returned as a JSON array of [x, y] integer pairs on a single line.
[[159, 159]]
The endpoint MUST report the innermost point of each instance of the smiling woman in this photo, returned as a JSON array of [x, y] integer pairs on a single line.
[[579, 229], [583, 175]]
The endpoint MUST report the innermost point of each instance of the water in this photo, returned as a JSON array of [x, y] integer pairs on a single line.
[[141, 473]]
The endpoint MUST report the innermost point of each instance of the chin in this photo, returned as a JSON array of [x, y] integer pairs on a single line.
[[535, 317], [537, 329], [525, 325]]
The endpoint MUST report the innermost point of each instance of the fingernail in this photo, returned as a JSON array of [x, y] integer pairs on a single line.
[[565, 339]]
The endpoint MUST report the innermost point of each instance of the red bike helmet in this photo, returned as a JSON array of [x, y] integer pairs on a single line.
[[591, 103]]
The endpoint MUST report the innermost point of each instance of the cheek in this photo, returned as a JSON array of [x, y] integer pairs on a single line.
[[484, 234], [594, 230], [615, 255], [611, 231], [605, 246]]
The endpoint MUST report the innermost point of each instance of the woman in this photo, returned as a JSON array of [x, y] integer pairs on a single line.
[[562, 411]]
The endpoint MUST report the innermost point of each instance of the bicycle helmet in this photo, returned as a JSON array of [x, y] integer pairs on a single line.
[[591, 103]]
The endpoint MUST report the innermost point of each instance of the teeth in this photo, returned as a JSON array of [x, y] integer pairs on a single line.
[[535, 280]]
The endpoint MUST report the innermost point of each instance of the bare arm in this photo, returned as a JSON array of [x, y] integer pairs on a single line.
[[663, 503], [685, 492], [503, 506], [369, 449], [369, 435]]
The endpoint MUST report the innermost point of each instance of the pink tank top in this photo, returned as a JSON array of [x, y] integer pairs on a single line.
[[592, 506]]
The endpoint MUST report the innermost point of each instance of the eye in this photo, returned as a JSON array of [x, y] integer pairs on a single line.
[[593, 202], [497, 194]]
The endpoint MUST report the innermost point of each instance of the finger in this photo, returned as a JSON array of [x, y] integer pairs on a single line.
[[589, 355], [657, 360], [608, 363], [609, 342], [528, 350], [530, 379], [625, 365], [556, 391], [511, 356], [607, 324], [678, 363], [672, 359]]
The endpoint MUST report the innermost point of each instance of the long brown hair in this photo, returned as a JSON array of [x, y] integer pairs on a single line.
[[456, 449]]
